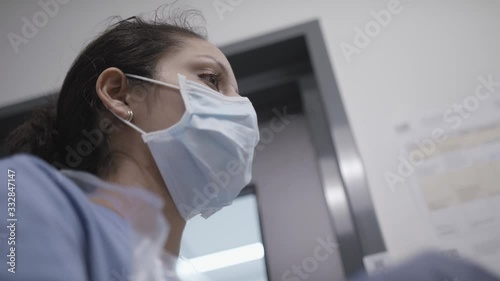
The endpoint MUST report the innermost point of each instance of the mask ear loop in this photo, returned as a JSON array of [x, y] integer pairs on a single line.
[[132, 125], [152, 81]]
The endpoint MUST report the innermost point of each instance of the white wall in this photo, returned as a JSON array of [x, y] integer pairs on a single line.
[[429, 55]]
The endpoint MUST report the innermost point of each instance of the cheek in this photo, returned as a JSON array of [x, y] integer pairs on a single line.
[[153, 112], [230, 91], [166, 110]]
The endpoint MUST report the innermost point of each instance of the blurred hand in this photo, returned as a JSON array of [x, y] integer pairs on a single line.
[[432, 267]]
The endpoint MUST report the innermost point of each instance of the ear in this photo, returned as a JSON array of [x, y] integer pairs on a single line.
[[111, 88]]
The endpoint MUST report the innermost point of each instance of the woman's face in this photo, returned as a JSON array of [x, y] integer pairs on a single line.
[[199, 61]]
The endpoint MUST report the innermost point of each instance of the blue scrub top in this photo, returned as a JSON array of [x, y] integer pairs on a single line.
[[53, 231]]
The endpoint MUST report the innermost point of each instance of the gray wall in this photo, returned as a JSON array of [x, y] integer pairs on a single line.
[[291, 198]]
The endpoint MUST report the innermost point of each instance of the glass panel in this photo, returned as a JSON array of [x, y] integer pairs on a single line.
[[227, 246]]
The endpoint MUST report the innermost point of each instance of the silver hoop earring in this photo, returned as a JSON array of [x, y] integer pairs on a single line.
[[130, 115]]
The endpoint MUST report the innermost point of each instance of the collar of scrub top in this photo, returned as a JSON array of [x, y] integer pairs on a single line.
[[135, 205]]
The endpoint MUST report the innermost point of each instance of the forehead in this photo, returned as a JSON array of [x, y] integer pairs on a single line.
[[201, 46], [195, 48]]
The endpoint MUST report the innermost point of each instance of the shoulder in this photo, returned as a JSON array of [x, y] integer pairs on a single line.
[[40, 197], [47, 227], [37, 184], [58, 225], [25, 161], [31, 166]]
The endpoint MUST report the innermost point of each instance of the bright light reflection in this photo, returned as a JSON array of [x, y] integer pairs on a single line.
[[228, 257]]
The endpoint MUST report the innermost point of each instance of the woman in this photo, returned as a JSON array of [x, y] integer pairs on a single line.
[[149, 124]]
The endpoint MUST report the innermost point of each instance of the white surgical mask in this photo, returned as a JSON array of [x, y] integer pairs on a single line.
[[205, 159]]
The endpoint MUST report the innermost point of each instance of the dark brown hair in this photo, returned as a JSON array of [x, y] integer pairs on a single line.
[[134, 45]]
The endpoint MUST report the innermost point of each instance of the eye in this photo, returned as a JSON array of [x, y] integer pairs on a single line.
[[211, 78]]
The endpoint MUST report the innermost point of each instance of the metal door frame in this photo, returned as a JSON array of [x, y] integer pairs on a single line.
[[344, 181]]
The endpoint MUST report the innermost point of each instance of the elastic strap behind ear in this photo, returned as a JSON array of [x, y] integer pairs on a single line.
[[132, 125]]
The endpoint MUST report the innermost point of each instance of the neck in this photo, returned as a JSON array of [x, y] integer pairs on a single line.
[[131, 171]]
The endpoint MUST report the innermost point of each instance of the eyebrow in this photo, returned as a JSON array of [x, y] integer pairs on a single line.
[[222, 66]]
